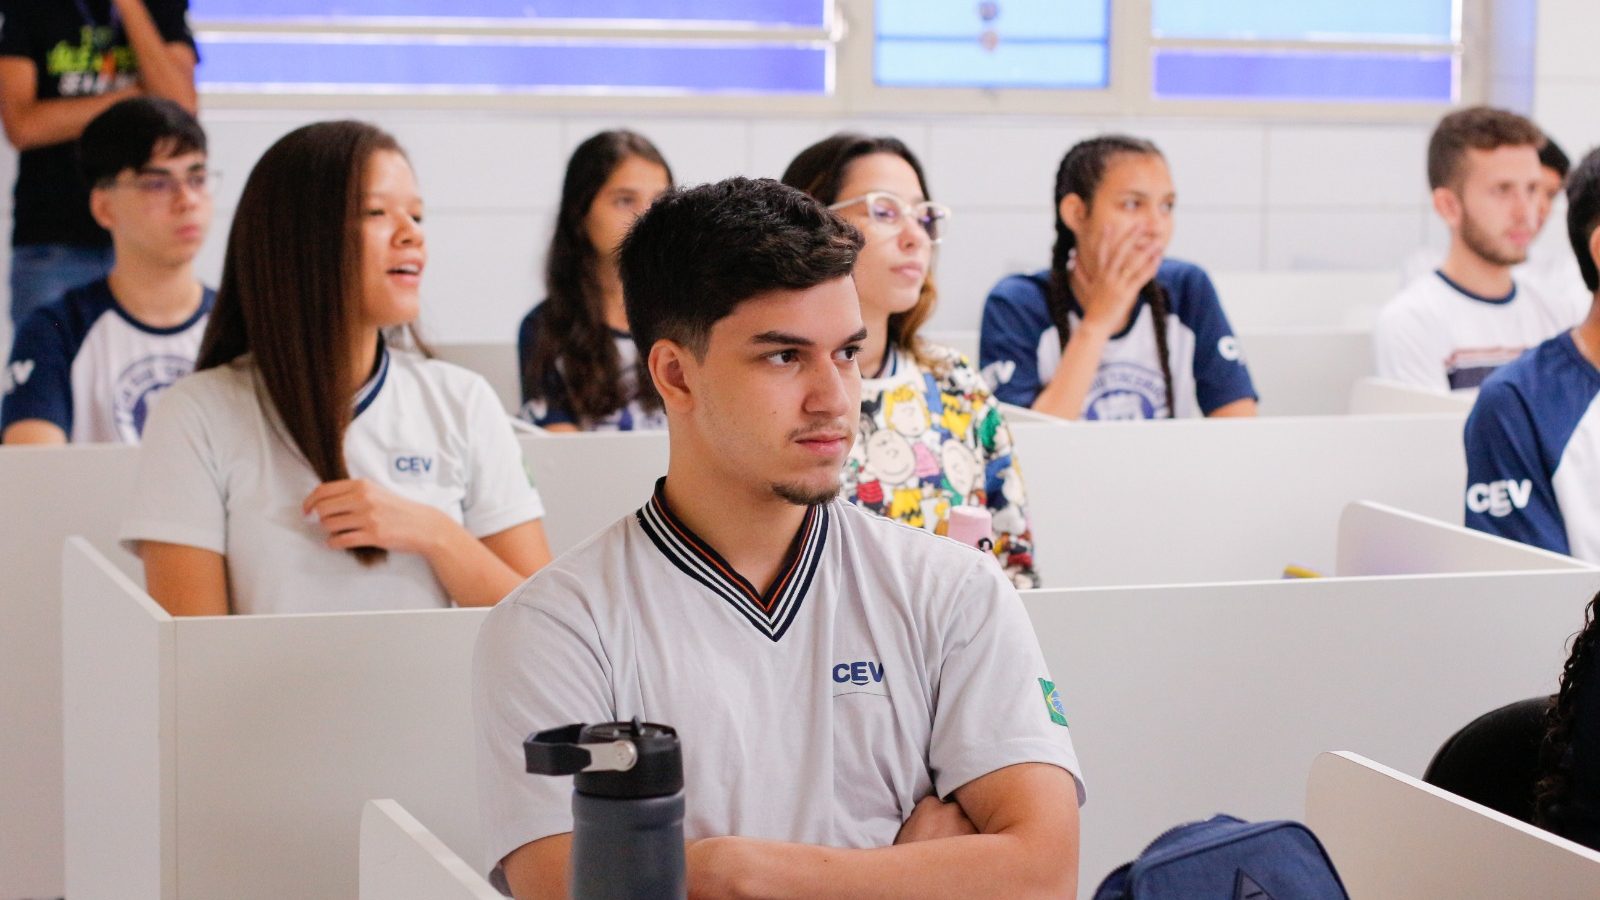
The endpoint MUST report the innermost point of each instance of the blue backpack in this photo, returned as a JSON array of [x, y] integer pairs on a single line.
[[1224, 858]]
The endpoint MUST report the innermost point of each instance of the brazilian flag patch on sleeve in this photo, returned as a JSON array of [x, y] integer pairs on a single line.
[[1052, 702]]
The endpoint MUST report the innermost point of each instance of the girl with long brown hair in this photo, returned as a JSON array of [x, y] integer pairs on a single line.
[[932, 437], [311, 463], [580, 370]]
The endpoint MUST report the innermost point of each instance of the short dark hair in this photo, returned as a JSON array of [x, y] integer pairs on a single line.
[[130, 134], [1552, 157], [699, 252], [1583, 214], [1475, 128]]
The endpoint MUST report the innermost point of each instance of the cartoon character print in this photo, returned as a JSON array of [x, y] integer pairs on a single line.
[[937, 440]]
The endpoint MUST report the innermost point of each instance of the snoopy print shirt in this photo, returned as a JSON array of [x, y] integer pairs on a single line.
[[933, 437]]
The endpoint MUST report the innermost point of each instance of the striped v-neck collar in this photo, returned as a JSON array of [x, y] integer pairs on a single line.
[[770, 613]]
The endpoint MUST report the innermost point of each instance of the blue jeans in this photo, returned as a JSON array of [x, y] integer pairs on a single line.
[[41, 273]]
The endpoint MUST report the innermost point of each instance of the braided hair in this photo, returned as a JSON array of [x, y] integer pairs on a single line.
[[1081, 172], [1554, 788]]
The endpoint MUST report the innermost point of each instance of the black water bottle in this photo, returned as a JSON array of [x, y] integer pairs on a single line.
[[627, 807]]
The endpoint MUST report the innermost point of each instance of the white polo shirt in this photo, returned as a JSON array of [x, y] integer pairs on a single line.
[[214, 473], [885, 664]]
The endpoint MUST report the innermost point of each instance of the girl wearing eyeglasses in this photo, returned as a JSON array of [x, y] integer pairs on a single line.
[[932, 437], [1112, 330], [580, 371]]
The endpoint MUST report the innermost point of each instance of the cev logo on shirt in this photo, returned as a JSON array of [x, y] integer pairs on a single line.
[[862, 672], [1499, 498], [413, 467]]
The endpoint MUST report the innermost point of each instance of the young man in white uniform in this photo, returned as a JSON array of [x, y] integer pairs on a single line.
[[1533, 439], [863, 705], [1448, 329]]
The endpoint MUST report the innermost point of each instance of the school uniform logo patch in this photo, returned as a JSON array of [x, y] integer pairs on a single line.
[[1052, 702], [1124, 391], [137, 388]]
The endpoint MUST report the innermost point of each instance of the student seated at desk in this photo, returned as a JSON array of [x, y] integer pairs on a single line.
[[1449, 328], [1112, 330], [932, 436], [309, 464], [1567, 798], [1533, 437], [91, 365], [729, 604], [579, 368]]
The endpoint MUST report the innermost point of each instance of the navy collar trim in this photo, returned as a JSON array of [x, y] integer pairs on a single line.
[[200, 312], [771, 613], [1478, 297], [380, 374]]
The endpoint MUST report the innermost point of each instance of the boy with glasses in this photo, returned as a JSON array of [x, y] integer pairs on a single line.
[[63, 62], [87, 367]]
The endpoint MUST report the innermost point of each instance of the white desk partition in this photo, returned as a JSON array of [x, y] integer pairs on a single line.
[[589, 481], [1392, 836], [1374, 396], [1306, 371], [402, 860], [496, 362], [45, 494], [1380, 540], [1197, 501], [119, 732], [1188, 700], [231, 756]]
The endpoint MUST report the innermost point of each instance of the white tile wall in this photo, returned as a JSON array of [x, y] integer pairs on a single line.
[[1347, 166], [1252, 194], [1342, 239]]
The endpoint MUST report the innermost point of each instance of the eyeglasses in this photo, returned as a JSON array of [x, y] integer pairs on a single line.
[[157, 186], [891, 212]]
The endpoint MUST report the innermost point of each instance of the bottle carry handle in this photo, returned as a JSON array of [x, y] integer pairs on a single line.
[[557, 752]]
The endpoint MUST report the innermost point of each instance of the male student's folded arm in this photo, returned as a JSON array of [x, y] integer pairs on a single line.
[[1027, 846]]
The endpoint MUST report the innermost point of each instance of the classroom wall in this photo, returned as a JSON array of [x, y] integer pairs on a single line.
[[1254, 195]]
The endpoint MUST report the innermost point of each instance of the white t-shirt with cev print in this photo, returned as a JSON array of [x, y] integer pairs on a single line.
[[885, 664], [215, 474]]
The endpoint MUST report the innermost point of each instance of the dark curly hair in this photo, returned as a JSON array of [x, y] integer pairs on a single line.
[[1080, 173], [574, 333], [1553, 792]]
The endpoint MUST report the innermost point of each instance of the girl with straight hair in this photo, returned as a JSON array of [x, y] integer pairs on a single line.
[[311, 464], [1112, 330], [932, 437], [580, 369]]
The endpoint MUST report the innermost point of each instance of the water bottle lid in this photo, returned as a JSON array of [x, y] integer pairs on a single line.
[[624, 760]]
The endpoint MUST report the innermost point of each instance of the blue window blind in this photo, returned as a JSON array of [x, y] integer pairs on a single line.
[[1310, 76], [390, 64], [1004, 43], [1404, 21], [755, 13]]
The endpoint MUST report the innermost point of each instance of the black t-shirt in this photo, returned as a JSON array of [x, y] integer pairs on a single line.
[[78, 49]]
